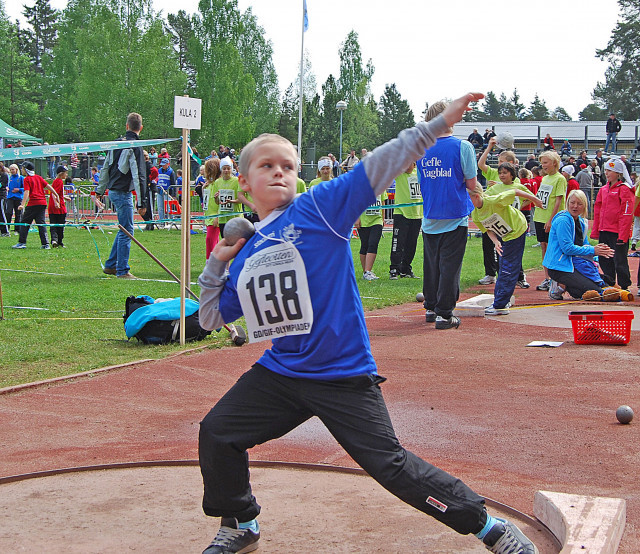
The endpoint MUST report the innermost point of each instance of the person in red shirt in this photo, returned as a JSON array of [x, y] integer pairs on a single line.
[[568, 171], [34, 206], [58, 214]]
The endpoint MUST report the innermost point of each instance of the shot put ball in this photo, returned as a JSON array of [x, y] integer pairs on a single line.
[[624, 414], [237, 228], [419, 297]]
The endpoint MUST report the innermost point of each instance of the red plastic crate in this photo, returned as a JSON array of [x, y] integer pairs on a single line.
[[601, 327]]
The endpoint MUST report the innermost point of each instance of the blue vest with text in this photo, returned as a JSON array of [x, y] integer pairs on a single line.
[[164, 178], [442, 182]]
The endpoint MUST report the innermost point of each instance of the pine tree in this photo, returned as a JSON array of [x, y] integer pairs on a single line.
[[395, 113], [538, 110], [41, 38]]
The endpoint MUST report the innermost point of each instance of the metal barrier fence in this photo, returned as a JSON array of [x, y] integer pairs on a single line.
[[82, 206]]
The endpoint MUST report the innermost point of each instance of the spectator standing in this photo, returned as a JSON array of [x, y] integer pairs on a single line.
[[4, 186], [166, 183], [585, 181], [124, 171], [153, 156], [335, 166], [74, 163], [612, 217], [445, 173], [406, 224], [612, 128], [600, 161], [350, 162], [15, 191], [488, 134], [34, 206], [531, 162], [58, 213]]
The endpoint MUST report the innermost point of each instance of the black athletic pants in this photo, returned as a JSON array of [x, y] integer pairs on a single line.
[[489, 256], [618, 266], [576, 283], [29, 215], [443, 254], [403, 244], [264, 405], [4, 208], [12, 211], [57, 232]]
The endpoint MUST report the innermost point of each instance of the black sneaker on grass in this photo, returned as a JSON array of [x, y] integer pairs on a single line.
[[505, 538], [230, 539], [409, 275]]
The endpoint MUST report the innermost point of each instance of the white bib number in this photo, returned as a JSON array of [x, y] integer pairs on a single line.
[[225, 196], [544, 193], [414, 188], [374, 211], [496, 224], [274, 294]]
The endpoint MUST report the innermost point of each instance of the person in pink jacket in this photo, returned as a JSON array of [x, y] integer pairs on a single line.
[[612, 218]]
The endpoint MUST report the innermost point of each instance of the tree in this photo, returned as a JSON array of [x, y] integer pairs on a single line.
[[538, 110], [361, 117], [395, 113], [593, 112], [112, 57], [513, 108], [18, 104], [41, 38], [620, 93], [180, 28], [560, 114], [492, 107]]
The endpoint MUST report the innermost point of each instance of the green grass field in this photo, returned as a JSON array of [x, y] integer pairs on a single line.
[[62, 315]]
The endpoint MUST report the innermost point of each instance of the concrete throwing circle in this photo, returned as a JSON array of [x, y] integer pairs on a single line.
[[158, 509]]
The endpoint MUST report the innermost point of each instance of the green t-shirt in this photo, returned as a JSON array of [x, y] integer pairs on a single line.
[[316, 181], [492, 174], [301, 186], [498, 215], [550, 188], [373, 216], [500, 187], [228, 191], [408, 192]]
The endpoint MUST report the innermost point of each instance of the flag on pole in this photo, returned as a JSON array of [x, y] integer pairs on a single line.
[[306, 17]]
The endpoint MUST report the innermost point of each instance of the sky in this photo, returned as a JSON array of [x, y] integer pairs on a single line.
[[433, 52]]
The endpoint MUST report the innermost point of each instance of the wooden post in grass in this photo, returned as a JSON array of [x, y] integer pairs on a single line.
[[186, 115]]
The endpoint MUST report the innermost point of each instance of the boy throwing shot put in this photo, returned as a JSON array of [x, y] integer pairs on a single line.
[[294, 282]]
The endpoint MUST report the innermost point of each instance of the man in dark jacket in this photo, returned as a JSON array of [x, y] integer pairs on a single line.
[[475, 139], [123, 172], [613, 128]]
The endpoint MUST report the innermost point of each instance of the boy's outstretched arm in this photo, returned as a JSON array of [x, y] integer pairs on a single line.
[[390, 159]]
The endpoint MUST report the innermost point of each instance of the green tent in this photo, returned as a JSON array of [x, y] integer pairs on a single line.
[[11, 134]]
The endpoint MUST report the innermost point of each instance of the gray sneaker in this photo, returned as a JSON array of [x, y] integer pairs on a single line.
[[487, 280], [430, 316], [452, 323], [505, 538], [544, 285], [491, 310], [231, 539], [19, 246]]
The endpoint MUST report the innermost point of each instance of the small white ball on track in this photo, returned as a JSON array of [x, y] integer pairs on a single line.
[[237, 228]]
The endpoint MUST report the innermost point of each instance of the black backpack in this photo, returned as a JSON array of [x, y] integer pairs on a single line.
[[163, 331]]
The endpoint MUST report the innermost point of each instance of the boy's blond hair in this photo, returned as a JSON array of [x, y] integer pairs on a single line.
[[508, 156], [553, 156], [582, 197], [435, 110], [249, 150]]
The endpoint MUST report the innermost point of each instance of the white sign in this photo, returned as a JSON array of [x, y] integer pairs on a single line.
[[187, 112]]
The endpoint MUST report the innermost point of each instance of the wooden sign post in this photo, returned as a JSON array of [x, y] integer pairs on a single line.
[[186, 116]]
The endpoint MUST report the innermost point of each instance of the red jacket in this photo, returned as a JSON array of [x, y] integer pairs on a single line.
[[613, 211], [572, 184]]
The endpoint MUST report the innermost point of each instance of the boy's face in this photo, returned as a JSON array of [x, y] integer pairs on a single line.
[[226, 172], [272, 177], [548, 166], [505, 176]]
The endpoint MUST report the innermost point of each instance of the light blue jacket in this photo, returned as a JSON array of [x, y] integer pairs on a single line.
[[561, 248]]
